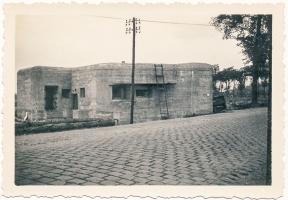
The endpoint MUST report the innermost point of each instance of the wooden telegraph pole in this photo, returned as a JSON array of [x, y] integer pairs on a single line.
[[134, 30]]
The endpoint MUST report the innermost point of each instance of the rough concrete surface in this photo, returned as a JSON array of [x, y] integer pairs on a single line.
[[219, 149]]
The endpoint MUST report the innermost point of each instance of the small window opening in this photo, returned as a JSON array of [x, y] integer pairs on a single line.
[[144, 92], [119, 92], [51, 97], [66, 93], [82, 92]]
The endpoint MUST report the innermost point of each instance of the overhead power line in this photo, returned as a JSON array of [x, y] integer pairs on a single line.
[[178, 23], [157, 21], [107, 17]]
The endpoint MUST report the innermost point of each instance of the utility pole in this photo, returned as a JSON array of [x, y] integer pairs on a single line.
[[134, 30]]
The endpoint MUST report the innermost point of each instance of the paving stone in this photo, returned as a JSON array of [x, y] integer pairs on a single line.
[[117, 174], [81, 176], [141, 175], [125, 182], [64, 178], [155, 178], [108, 182], [57, 171], [184, 176], [46, 180], [170, 177], [97, 174], [57, 182], [76, 181], [51, 175], [112, 178], [185, 181], [35, 176], [90, 183], [67, 173], [155, 183], [129, 176], [25, 181], [170, 182], [141, 180], [95, 179]]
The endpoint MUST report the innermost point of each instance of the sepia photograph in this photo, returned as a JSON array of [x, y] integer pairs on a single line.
[[198, 99], [143, 95]]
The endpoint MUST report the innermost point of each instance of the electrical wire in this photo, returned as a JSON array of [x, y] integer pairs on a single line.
[[177, 23], [107, 17], [157, 21]]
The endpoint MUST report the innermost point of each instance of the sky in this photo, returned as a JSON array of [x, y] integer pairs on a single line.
[[86, 38]]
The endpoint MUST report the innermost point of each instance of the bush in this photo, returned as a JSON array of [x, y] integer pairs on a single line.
[[22, 128]]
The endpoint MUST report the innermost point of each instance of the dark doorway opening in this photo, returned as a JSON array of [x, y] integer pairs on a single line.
[[51, 97], [74, 101]]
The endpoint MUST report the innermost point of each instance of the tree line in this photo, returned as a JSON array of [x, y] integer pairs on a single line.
[[253, 34], [230, 79]]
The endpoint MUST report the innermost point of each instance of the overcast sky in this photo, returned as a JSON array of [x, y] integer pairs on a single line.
[[84, 39]]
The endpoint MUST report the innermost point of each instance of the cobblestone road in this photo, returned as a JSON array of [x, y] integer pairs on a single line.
[[219, 149]]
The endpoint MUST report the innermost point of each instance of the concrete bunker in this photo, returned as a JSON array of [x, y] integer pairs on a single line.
[[104, 90]]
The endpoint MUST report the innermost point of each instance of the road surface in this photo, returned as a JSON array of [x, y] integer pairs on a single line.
[[217, 149]]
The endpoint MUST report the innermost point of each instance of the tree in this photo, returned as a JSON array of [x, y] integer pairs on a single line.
[[253, 34]]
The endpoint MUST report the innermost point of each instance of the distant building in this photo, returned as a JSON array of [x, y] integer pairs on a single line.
[[104, 90]]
